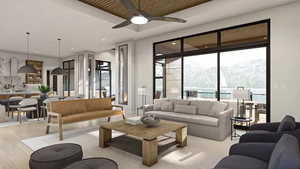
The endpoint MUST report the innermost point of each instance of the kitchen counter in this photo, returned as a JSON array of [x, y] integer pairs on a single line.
[[8, 94]]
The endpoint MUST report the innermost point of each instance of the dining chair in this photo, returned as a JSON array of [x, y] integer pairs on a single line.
[[13, 105], [27, 105]]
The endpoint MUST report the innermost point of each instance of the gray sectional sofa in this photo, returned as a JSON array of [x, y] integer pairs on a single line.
[[209, 119]]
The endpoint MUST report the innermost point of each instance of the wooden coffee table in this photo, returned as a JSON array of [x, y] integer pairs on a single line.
[[148, 136]]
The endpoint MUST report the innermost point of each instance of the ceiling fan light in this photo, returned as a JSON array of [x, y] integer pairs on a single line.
[[139, 20]]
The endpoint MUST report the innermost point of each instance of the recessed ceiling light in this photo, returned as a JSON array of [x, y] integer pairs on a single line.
[[159, 54], [174, 43], [103, 39], [72, 48]]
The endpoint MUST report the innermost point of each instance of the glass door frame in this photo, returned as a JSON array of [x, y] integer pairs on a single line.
[[219, 49], [110, 76], [68, 70]]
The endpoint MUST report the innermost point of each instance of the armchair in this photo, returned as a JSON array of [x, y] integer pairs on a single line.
[[270, 132]]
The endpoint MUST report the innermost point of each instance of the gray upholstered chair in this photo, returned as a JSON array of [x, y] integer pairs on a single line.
[[283, 155], [272, 132]]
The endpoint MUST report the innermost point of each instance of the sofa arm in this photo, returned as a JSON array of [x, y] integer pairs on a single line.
[[261, 151], [265, 126], [147, 108], [260, 137], [118, 106], [226, 114]]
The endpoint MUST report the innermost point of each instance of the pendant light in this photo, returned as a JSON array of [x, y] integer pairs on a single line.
[[58, 70], [27, 68]]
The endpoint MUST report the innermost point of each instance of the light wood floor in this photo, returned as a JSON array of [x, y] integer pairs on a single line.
[[13, 153]]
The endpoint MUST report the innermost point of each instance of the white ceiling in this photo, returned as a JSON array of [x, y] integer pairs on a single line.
[[83, 27]]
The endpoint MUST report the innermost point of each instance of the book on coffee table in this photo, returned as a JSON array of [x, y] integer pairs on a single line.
[[134, 120]]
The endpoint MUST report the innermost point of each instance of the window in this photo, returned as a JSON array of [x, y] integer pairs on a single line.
[[210, 65], [68, 79], [247, 34], [246, 68], [123, 74], [200, 76], [205, 41], [103, 79], [167, 48]]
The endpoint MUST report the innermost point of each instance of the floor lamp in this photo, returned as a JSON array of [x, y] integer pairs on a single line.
[[142, 91]]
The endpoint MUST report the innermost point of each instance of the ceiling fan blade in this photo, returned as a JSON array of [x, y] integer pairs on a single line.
[[130, 7], [123, 24], [168, 19]]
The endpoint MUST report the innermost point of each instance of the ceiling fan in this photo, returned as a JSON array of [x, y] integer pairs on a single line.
[[140, 17]]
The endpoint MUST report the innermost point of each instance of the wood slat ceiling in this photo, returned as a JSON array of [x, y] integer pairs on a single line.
[[152, 7]]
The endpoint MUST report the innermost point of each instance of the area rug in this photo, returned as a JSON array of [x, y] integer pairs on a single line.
[[200, 153]]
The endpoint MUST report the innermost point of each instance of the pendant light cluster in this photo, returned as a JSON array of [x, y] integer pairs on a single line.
[[27, 68], [58, 70]]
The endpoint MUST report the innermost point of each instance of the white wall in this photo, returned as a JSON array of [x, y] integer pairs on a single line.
[[49, 63], [285, 55]]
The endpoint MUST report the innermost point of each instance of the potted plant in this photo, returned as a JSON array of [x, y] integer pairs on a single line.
[[44, 91]]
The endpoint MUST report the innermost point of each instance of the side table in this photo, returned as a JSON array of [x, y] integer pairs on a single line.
[[239, 123]]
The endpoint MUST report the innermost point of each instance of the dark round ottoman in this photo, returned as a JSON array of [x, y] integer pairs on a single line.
[[94, 163], [56, 156]]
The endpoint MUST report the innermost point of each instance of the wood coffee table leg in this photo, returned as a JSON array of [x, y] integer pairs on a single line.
[[181, 137], [150, 152], [104, 137]]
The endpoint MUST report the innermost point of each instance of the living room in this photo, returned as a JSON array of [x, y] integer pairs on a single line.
[[149, 84]]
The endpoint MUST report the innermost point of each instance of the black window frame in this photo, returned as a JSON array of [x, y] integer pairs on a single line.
[[68, 74], [98, 62], [219, 49]]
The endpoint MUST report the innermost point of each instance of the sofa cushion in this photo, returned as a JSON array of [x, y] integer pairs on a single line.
[[241, 162], [68, 107], [98, 104], [217, 108], [188, 118], [90, 115], [180, 102], [187, 109], [287, 124], [203, 106], [286, 154], [166, 106], [158, 103]]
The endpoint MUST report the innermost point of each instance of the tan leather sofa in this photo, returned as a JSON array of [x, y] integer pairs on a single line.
[[72, 111]]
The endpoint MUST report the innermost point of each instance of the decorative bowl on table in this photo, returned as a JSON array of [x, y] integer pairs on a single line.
[[150, 120]]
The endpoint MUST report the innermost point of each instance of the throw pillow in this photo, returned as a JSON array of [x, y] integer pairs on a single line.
[[287, 124], [167, 106], [156, 107], [185, 109], [180, 102], [217, 108], [286, 154], [158, 103]]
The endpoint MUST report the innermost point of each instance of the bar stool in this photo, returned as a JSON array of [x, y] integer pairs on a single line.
[[27, 105], [13, 104]]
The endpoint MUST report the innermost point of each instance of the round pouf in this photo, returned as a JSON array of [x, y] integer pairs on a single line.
[[56, 156], [94, 163]]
